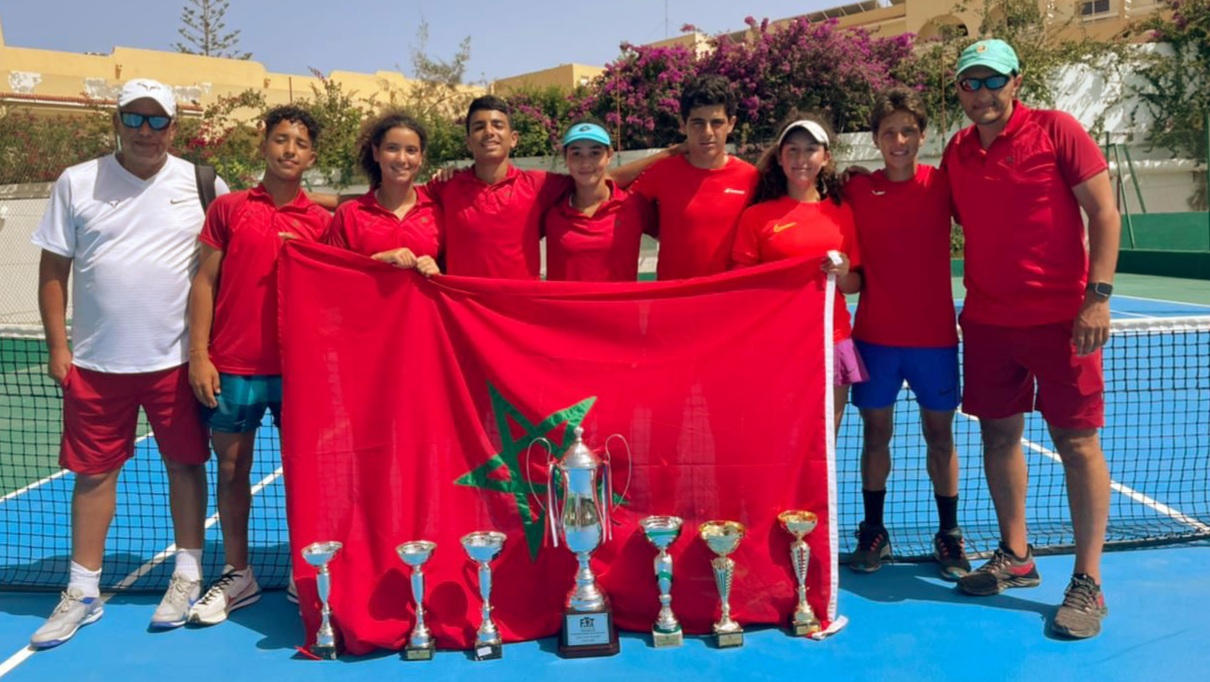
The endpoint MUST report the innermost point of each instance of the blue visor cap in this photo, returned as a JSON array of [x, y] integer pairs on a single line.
[[587, 131]]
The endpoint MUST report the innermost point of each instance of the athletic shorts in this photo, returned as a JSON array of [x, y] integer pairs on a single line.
[[1009, 370], [101, 413], [242, 401], [847, 365], [932, 374]]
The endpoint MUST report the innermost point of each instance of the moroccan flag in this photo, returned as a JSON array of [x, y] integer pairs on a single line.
[[410, 405]]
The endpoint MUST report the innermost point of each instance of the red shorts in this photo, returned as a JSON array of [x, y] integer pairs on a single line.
[[1002, 364], [101, 413]]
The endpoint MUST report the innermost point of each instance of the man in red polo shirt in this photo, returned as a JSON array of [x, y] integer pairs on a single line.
[[234, 356], [492, 212], [1036, 313], [701, 193]]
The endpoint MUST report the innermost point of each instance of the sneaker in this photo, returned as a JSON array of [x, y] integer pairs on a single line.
[[291, 590], [1083, 607], [949, 549], [235, 590], [873, 548], [1000, 572], [73, 611], [173, 610]]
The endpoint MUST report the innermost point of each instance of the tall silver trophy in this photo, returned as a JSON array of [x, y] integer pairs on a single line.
[[483, 547], [319, 554], [662, 532], [586, 483], [420, 644], [722, 537], [799, 524]]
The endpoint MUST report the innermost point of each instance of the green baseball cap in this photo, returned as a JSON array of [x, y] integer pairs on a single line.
[[996, 55]]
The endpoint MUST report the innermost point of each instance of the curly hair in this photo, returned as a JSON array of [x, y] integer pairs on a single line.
[[293, 114], [707, 91], [771, 179], [372, 135], [895, 100]]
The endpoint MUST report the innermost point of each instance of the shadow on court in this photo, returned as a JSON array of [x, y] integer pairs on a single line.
[[919, 582]]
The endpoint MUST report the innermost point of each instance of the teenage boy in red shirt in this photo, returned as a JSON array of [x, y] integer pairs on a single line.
[[905, 328], [1036, 314], [235, 357], [700, 193]]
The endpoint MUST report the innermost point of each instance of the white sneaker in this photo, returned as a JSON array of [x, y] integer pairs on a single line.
[[73, 611], [173, 610], [235, 590], [292, 589]]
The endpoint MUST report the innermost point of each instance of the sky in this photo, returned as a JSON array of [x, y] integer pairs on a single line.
[[508, 37]]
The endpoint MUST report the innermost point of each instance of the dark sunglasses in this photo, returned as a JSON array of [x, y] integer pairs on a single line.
[[135, 121], [992, 83]]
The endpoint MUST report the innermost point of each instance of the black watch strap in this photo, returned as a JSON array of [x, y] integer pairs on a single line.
[[1102, 289]]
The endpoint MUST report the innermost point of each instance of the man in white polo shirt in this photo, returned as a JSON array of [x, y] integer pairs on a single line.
[[125, 228]]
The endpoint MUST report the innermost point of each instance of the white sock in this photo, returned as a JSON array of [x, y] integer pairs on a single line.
[[189, 563], [88, 582]]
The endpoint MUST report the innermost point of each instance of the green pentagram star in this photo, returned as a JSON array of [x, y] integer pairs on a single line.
[[512, 450]]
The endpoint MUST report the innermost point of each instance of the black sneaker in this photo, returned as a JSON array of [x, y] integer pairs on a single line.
[[949, 549], [873, 548], [1000, 572], [1082, 610]]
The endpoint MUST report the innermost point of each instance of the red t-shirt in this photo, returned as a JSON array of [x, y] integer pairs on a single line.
[[365, 227], [904, 232], [698, 211], [245, 226], [1026, 263], [494, 230], [600, 248], [787, 228]]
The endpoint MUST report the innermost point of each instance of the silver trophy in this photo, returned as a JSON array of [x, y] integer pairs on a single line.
[[583, 523], [799, 523], [662, 532], [420, 644], [483, 547], [722, 537], [318, 554]]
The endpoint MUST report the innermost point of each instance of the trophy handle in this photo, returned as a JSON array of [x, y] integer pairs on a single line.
[[550, 450], [629, 467]]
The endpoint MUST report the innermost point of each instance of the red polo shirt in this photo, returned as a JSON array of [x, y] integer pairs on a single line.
[[600, 248], [365, 227], [698, 211], [494, 230], [245, 226], [1026, 262], [787, 228], [904, 232]]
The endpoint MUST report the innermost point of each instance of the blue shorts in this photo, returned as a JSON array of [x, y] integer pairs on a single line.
[[242, 402], [932, 374]]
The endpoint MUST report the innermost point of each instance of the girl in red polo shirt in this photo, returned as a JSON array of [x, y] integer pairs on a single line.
[[594, 232], [797, 212], [396, 221]]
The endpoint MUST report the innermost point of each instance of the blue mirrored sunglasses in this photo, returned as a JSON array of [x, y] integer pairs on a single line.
[[135, 121], [993, 83]]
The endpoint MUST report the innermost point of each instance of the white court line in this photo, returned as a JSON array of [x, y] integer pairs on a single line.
[[1142, 315], [1145, 500], [53, 476], [23, 654], [1164, 300]]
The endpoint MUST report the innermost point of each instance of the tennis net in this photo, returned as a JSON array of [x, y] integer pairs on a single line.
[[1157, 440]]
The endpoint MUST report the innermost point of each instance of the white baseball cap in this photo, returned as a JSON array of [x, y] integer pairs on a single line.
[[145, 88]]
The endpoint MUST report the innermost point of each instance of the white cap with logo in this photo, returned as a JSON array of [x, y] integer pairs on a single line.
[[145, 88]]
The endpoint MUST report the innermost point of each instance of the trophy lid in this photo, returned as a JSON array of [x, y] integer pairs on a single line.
[[578, 455]]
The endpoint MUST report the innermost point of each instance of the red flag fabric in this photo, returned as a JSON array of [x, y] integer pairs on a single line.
[[410, 403]]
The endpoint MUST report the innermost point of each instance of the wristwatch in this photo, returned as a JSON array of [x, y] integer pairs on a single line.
[[1101, 289]]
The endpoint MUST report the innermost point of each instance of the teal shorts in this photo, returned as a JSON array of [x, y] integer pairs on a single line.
[[242, 401]]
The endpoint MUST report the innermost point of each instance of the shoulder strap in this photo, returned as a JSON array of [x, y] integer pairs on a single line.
[[206, 190]]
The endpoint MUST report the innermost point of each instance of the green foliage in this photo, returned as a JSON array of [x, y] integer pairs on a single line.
[[37, 148], [340, 116], [205, 33], [227, 138], [539, 117], [1175, 87]]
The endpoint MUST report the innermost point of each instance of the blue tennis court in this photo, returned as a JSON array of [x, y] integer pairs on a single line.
[[904, 622]]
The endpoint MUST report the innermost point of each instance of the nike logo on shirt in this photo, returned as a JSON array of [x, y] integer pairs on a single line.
[[730, 190], [784, 226], [179, 201]]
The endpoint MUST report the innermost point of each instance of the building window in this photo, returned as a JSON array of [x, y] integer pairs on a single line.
[[1092, 8]]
